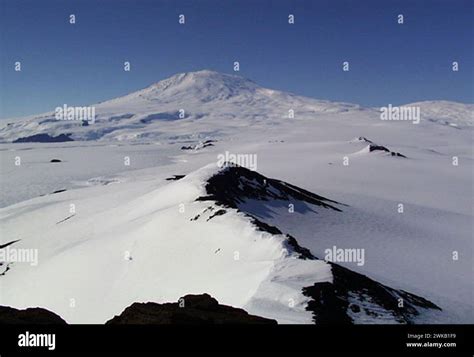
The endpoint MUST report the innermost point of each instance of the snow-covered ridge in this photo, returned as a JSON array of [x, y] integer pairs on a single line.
[[350, 297], [183, 238]]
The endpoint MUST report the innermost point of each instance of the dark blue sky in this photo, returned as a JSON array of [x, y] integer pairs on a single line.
[[83, 63]]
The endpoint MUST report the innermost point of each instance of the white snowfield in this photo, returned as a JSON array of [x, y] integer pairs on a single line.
[[129, 235]]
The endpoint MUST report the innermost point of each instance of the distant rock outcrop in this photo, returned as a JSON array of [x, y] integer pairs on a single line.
[[199, 146], [44, 138], [190, 309], [175, 177], [375, 147]]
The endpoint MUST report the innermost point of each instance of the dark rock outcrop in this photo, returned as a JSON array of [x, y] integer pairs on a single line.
[[198, 146], [5, 266], [235, 184], [35, 315], [374, 147], [175, 177], [352, 294], [363, 138], [44, 138], [189, 310]]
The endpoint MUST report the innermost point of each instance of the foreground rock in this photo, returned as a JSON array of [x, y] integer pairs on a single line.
[[190, 309], [36, 315]]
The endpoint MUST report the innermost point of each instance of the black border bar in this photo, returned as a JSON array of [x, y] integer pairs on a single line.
[[243, 338]]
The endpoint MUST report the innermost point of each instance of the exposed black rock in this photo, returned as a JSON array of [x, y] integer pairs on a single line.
[[210, 209], [352, 293], [36, 315], [54, 192], [217, 213], [44, 138], [189, 310], [6, 265], [304, 253], [373, 147], [3, 271], [175, 178], [363, 138], [198, 146], [263, 226], [235, 184], [8, 243]]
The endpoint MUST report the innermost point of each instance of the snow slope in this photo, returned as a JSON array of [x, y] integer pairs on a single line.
[[134, 208], [183, 237]]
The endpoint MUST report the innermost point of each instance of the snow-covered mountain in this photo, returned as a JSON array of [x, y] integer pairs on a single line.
[[133, 207], [227, 100], [202, 101]]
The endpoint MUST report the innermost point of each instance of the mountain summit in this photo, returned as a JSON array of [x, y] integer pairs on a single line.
[[201, 86]]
